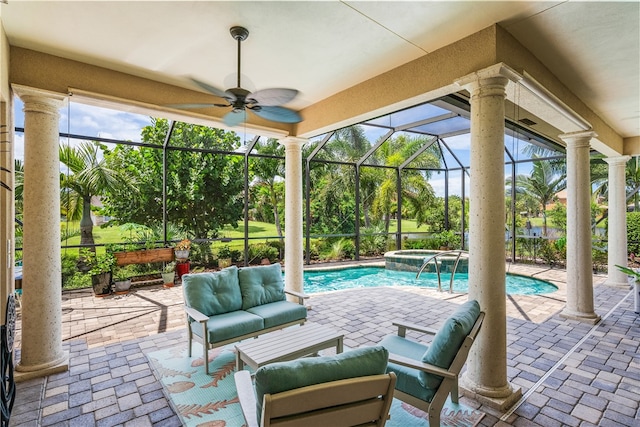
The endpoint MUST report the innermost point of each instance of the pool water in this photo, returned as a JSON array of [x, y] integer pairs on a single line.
[[366, 277]]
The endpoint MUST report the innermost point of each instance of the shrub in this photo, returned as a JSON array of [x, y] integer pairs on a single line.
[[633, 232], [260, 251], [337, 251], [237, 255], [78, 281], [69, 266], [547, 252], [372, 243], [278, 245], [600, 260]]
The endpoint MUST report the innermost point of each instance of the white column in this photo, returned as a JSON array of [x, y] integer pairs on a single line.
[[486, 375], [579, 304], [617, 221], [293, 245], [41, 344]]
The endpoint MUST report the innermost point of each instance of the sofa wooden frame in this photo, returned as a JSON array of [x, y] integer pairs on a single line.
[[204, 340]]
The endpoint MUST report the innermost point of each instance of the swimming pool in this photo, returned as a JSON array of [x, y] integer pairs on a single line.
[[365, 277]]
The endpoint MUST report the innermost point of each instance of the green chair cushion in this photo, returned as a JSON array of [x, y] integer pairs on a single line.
[[229, 325], [261, 285], [282, 376], [279, 313], [408, 379], [213, 292], [447, 341]]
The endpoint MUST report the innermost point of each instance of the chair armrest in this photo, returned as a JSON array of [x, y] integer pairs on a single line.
[[403, 326], [247, 397], [195, 314], [421, 366], [301, 297]]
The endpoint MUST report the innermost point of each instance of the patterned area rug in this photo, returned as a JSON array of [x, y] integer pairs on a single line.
[[211, 400]]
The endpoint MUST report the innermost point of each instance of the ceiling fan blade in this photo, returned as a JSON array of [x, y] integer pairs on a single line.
[[278, 114], [234, 118], [274, 96], [189, 106], [214, 90]]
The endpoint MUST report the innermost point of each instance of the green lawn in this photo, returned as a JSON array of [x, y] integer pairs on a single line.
[[104, 235]]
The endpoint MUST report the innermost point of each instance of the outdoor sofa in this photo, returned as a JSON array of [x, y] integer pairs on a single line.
[[226, 306]]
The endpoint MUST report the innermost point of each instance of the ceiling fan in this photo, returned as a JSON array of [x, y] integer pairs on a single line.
[[263, 103]]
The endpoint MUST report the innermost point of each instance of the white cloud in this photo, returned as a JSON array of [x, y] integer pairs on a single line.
[[459, 142], [94, 121], [437, 182], [18, 147]]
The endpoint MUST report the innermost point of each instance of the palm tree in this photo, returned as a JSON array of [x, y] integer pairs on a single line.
[[600, 177], [416, 189], [543, 184], [88, 176], [268, 171], [350, 145]]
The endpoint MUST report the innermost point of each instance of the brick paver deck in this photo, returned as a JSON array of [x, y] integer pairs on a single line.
[[571, 373]]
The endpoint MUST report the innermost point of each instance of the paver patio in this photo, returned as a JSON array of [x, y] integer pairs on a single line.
[[571, 373]]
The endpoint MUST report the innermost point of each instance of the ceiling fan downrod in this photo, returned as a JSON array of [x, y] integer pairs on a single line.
[[240, 34]]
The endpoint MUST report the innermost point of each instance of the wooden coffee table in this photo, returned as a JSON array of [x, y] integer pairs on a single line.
[[288, 344]]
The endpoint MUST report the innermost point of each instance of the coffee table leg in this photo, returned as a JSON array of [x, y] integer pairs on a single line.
[[239, 362], [339, 346]]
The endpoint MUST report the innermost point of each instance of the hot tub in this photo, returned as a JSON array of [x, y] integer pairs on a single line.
[[413, 259]]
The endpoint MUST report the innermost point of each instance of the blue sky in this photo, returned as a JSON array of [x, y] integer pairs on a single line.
[[88, 120]]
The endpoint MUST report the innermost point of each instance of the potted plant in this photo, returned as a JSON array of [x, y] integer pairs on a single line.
[[168, 274], [100, 267], [182, 249], [635, 275], [224, 256], [122, 279]]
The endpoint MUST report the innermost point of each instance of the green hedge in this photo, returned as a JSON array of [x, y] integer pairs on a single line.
[[633, 232]]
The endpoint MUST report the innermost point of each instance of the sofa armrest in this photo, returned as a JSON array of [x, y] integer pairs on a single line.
[[301, 297], [421, 366], [195, 314], [403, 326], [247, 397]]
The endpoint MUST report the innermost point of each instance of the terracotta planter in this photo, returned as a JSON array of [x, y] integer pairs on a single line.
[[101, 284]]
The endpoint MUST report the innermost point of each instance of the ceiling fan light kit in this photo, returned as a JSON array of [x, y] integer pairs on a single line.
[[264, 103]]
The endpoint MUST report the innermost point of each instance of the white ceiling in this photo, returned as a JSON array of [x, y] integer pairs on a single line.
[[321, 48]]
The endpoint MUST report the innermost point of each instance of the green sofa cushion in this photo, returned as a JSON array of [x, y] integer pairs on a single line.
[[279, 313], [213, 293], [229, 325], [447, 341], [282, 376], [261, 285]]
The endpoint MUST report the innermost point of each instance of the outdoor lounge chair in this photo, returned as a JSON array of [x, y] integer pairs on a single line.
[[349, 389], [426, 374]]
